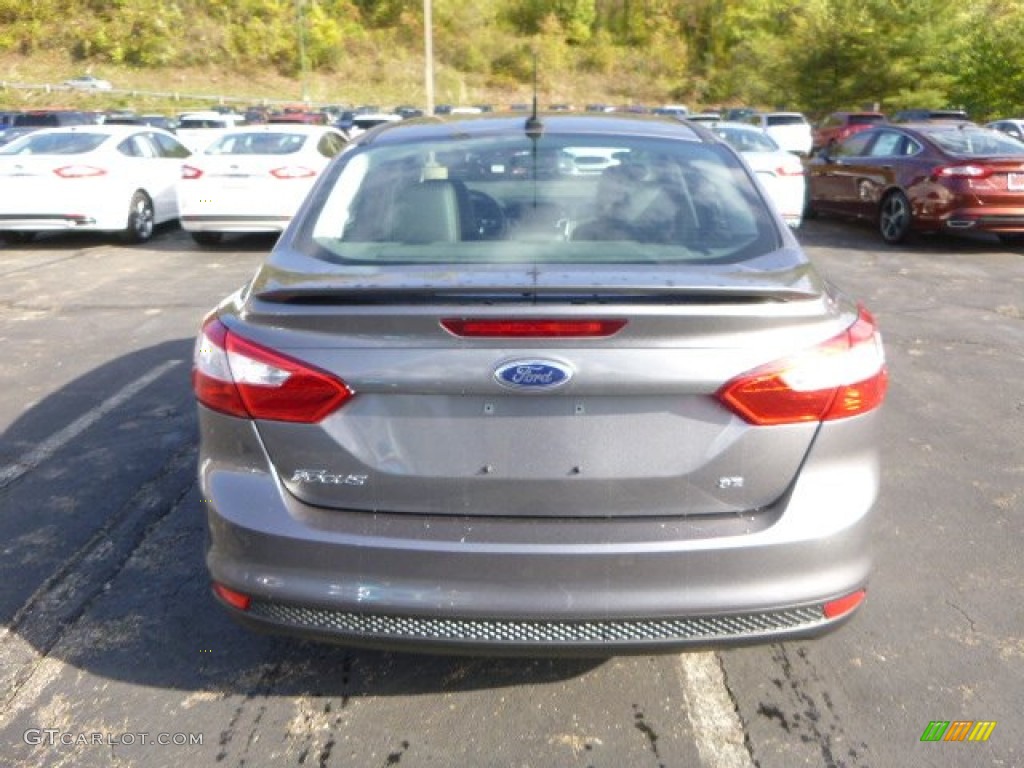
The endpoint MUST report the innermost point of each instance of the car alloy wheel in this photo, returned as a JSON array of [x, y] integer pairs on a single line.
[[894, 218], [140, 219]]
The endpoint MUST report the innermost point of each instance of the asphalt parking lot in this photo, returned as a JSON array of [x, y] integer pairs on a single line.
[[113, 652]]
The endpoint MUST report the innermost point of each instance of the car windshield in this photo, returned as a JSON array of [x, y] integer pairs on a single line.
[[54, 144], [257, 143], [491, 199], [967, 141]]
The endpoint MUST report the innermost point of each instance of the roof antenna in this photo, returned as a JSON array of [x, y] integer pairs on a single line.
[[534, 127]]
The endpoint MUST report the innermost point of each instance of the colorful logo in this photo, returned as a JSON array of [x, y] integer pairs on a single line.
[[958, 730]]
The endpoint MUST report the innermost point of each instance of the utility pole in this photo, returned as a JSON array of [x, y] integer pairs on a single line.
[[300, 24], [428, 38]]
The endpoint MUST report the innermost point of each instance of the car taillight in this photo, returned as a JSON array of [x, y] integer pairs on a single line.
[[967, 171], [241, 378], [292, 172], [845, 376], [529, 329], [190, 172], [79, 171], [792, 169]]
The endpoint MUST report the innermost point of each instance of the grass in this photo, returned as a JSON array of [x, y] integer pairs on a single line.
[[388, 81]]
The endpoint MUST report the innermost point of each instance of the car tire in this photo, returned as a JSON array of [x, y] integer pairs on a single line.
[[207, 238], [810, 212], [141, 219], [17, 237], [894, 218]]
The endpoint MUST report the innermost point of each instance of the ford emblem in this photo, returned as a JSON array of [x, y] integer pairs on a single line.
[[533, 374]]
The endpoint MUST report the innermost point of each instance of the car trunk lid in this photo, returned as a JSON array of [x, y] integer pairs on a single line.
[[624, 422]]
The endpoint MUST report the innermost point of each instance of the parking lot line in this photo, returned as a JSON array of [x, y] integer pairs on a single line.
[[717, 730], [56, 441]]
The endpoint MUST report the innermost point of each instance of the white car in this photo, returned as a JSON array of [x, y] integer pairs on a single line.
[[781, 173], [1011, 126], [253, 179], [197, 130], [364, 122], [791, 130], [89, 83], [105, 178]]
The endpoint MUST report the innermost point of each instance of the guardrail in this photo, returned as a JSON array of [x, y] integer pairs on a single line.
[[170, 95]]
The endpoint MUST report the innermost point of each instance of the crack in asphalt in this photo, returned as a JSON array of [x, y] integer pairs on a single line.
[[66, 595], [37, 265]]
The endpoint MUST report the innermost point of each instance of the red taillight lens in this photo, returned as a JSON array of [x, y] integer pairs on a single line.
[[796, 169], [551, 328], [79, 171], [843, 605], [292, 172], [968, 171], [190, 172], [843, 377], [241, 378], [231, 597]]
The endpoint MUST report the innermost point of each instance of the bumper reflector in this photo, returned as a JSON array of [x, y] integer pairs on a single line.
[[836, 608]]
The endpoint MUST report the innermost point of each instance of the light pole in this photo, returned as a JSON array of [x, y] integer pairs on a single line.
[[303, 65], [428, 69]]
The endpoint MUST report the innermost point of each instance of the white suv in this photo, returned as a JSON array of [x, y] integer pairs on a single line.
[[791, 130]]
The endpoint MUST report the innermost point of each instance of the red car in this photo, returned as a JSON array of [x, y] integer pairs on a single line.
[[840, 125], [923, 177]]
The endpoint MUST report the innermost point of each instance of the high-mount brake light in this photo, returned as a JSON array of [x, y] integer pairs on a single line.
[[532, 328], [241, 378], [843, 377]]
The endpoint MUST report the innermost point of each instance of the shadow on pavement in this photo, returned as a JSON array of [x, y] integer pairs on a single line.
[[103, 559]]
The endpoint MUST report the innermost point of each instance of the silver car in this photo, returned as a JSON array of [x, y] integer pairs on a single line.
[[476, 402]]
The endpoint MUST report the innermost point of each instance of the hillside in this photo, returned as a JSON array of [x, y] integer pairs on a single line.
[[812, 55]]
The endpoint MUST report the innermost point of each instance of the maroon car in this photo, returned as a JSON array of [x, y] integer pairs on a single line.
[[841, 125], [923, 177]]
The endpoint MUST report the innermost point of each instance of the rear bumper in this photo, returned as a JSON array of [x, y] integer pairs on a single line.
[[514, 585], [46, 222], [229, 223], [1009, 223]]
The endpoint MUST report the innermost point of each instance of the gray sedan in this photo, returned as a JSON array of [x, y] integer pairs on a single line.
[[476, 402]]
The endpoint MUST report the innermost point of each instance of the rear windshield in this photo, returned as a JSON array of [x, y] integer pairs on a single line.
[[866, 119], [49, 119], [55, 144], [201, 122], [564, 199], [976, 142], [747, 140], [257, 143], [774, 120]]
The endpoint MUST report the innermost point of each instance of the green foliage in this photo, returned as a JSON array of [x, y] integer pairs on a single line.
[[993, 58], [812, 55]]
